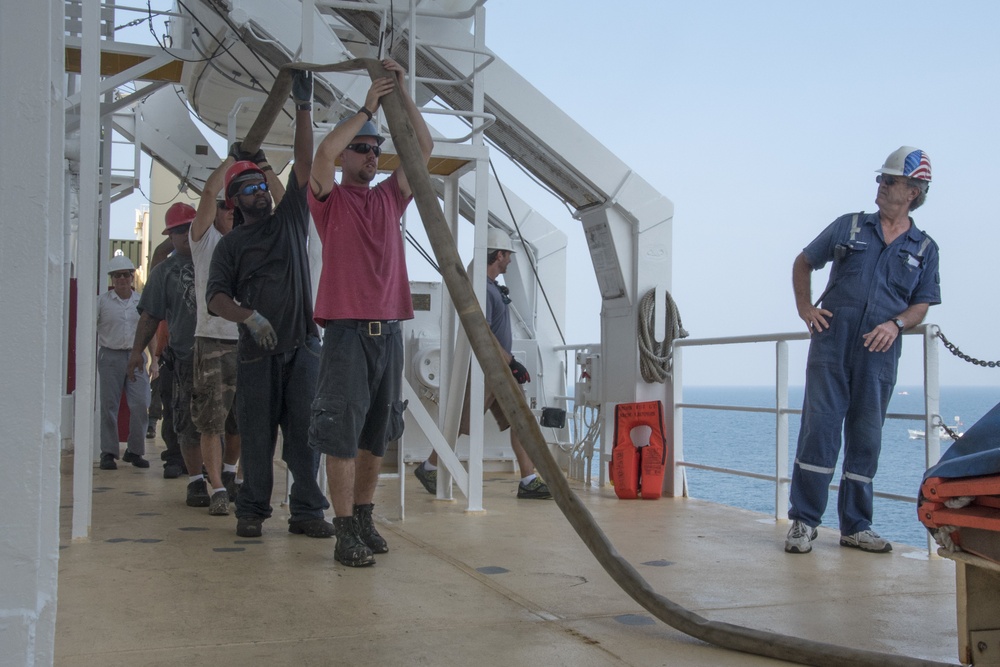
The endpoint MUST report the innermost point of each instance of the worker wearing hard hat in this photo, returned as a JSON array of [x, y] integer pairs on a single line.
[[884, 277], [117, 319], [215, 338], [169, 296], [499, 253], [362, 295], [259, 278]]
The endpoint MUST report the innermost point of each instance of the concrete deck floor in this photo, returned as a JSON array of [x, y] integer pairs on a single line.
[[159, 583]]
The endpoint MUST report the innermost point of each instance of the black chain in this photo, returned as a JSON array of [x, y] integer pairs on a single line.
[[937, 421], [964, 357]]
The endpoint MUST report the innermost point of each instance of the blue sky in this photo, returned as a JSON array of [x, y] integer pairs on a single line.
[[763, 122]]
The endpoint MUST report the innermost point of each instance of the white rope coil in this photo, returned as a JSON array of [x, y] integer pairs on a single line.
[[656, 358]]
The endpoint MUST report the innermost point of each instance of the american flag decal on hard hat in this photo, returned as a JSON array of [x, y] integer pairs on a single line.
[[917, 165]]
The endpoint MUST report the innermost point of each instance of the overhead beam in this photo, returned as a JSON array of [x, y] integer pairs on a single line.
[[117, 57]]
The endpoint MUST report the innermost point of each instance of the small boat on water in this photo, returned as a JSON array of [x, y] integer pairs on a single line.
[[943, 432]]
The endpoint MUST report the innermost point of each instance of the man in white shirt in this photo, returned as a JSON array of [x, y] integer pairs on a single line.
[[215, 342], [117, 319]]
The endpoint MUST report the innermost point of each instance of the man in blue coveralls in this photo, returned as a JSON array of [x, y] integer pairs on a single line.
[[884, 277]]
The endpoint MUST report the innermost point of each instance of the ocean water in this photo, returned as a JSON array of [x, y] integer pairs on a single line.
[[745, 441]]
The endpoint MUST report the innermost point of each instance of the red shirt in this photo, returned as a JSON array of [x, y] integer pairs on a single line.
[[364, 263]]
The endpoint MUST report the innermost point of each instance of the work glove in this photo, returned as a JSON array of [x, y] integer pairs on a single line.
[[237, 153], [261, 330], [302, 87], [519, 371]]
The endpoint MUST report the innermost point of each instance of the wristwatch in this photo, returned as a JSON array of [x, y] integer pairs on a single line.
[[899, 323]]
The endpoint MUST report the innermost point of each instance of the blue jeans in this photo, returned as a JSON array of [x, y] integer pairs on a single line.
[[172, 454], [277, 391]]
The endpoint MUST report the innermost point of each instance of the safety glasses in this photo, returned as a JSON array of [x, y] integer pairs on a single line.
[[364, 149], [121, 274], [250, 189], [891, 180]]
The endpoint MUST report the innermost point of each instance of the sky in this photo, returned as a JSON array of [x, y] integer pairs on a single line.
[[763, 122]]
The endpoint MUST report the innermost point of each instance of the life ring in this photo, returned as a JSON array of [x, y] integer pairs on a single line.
[[639, 454]]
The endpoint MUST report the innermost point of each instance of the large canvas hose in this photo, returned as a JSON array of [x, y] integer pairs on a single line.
[[514, 405]]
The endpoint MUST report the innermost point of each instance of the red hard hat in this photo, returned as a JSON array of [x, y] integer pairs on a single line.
[[179, 214], [238, 172]]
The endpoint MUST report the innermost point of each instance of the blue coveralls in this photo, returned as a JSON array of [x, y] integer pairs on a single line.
[[848, 387]]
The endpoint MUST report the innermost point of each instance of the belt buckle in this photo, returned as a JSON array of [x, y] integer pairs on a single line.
[[375, 328]]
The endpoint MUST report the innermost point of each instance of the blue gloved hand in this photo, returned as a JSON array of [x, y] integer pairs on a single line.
[[302, 87], [519, 371], [261, 330]]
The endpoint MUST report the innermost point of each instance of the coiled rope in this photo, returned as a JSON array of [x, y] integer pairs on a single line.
[[656, 358]]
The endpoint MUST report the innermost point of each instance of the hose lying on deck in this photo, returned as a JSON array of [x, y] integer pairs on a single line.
[[508, 394]]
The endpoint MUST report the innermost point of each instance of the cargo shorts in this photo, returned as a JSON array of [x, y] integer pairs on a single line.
[[214, 387]]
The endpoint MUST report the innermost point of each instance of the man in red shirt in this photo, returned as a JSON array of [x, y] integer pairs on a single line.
[[363, 293]]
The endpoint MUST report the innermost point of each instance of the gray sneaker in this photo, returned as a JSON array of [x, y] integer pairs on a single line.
[[536, 489], [866, 540], [219, 505], [800, 537], [429, 478]]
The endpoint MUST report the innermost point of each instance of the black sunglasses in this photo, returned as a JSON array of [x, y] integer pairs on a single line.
[[892, 180], [363, 149]]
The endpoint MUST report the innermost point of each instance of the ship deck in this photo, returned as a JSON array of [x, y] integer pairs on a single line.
[[159, 583]]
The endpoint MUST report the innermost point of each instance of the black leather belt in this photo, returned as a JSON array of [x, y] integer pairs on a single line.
[[220, 341], [369, 327]]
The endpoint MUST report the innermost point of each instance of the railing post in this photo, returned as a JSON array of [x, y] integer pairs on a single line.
[[678, 485], [781, 431], [932, 407]]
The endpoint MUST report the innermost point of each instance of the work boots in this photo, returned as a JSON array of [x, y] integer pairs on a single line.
[[366, 529], [351, 549]]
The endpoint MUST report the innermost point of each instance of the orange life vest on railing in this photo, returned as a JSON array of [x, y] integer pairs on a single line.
[[637, 464]]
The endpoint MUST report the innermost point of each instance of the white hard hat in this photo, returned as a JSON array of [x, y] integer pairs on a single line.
[[497, 239], [120, 263], [909, 162]]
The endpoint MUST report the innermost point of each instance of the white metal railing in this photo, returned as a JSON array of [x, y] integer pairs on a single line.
[[781, 410]]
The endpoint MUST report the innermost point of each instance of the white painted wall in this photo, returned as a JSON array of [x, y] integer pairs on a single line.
[[31, 298]]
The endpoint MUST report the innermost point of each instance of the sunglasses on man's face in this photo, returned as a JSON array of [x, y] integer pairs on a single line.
[[890, 181], [364, 149], [252, 188]]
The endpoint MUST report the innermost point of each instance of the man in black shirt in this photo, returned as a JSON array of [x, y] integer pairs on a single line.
[[260, 279]]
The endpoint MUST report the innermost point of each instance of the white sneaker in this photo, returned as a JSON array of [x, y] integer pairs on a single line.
[[866, 540], [799, 538]]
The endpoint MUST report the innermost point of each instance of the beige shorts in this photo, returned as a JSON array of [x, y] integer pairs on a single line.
[[490, 404]]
